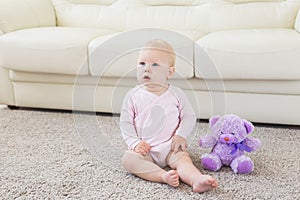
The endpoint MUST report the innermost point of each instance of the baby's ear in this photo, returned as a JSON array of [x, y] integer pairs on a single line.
[[171, 72], [248, 125], [213, 120]]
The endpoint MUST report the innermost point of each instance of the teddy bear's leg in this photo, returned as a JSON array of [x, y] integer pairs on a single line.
[[211, 162], [242, 165]]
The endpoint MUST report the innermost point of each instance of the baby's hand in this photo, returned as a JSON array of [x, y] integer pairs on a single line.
[[142, 148], [178, 143]]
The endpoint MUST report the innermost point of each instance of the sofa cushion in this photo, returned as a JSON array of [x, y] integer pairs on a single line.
[[20, 14], [116, 55], [249, 54], [49, 50]]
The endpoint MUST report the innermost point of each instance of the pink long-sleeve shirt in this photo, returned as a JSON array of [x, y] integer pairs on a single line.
[[156, 119]]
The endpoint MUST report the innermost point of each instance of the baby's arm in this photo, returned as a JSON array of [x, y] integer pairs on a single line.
[[126, 124], [187, 122], [187, 116]]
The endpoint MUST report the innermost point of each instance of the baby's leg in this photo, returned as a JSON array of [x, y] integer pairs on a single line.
[[144, 167], [188, 173]]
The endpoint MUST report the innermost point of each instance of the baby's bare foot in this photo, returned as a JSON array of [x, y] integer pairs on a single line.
[[171, 178], [203, 183]]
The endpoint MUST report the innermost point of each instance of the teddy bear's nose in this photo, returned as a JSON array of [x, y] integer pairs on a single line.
[[226, 139]]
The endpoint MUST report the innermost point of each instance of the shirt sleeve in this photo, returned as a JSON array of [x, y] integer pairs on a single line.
[[126, 123], [187, 116]]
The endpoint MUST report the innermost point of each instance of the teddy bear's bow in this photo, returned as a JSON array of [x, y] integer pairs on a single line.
[[240, 146]]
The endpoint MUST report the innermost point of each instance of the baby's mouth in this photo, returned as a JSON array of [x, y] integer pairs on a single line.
[[146, 78]]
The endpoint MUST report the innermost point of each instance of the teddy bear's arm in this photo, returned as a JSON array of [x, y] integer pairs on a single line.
[[253, 143], [207, 141]]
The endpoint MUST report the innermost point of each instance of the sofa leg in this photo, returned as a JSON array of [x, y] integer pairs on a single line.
[[13, 107]]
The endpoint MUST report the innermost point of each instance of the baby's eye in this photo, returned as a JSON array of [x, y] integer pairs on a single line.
[[222, 132], [232, 133], [155, 65], [141, 64]]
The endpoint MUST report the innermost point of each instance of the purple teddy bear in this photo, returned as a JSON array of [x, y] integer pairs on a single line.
[[229, 141]]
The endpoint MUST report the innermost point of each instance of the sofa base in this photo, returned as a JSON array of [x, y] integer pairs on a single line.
[[262, 108], [6, 88], [13, 107]]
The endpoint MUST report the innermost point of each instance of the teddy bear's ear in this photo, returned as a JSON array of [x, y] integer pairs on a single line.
[[213, 120], [248, 125]]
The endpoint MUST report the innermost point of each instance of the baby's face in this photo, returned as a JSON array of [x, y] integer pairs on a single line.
[[154, 68]]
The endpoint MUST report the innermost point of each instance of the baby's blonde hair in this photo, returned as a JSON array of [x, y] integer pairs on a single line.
[[162, 45]]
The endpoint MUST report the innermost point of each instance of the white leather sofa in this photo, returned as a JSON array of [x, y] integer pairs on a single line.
[[235, 56]]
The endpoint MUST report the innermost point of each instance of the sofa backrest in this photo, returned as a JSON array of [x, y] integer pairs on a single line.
[[193, 18], [189, 17], [249, 14], [104, 14], [20, 14], [101, 2]]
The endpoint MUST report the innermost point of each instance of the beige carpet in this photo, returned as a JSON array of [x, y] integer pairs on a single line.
[[61, 155]]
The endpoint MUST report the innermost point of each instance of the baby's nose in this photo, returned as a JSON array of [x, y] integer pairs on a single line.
[[147, 68]]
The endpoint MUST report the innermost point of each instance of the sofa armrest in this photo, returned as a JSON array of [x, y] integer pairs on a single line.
[[20, 14]]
